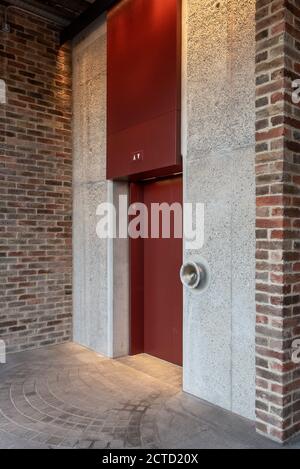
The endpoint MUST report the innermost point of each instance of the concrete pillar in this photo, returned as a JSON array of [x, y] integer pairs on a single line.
[[101, 305], [219, 161]]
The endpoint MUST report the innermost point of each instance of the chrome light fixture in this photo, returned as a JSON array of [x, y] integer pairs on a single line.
[[191, 275]]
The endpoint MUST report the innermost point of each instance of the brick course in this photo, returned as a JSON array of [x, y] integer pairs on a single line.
[[35, 186], [278, 218]]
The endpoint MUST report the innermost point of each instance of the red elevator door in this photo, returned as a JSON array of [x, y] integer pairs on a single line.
[[156, 290]]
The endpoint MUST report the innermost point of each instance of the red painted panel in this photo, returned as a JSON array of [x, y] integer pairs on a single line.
[[156, 313], [144, 86]]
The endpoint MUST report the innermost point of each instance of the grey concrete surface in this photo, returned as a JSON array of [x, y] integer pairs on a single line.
[[118, 283], [90, 254], [219, 117], [69, 397], [100, 274], [219, 162]]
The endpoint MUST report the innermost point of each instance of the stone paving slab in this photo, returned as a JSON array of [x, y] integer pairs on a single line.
[[69, 397]]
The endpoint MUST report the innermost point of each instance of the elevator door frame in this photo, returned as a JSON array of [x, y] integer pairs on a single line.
[[136, 273]]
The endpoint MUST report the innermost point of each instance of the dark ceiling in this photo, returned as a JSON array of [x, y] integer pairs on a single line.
[[72, 15], [67, 10]]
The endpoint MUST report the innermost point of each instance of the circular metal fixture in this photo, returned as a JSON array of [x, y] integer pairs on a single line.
[[191, 275]]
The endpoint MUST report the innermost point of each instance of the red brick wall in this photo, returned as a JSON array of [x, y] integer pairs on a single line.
[[278, 218], [35, 186]]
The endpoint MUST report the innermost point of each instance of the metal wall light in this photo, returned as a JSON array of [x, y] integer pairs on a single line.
[[194, 275]]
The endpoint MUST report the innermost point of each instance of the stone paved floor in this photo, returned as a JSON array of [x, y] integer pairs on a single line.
[[69, 397]]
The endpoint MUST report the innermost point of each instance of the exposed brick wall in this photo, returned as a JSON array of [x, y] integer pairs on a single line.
[[35, 186], [278, 218]]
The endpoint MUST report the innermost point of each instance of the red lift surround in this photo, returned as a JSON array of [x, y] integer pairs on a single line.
[[143, 142], [144, 89]]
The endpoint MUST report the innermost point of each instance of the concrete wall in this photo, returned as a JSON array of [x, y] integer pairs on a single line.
[[219, 153], [100, 303]]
